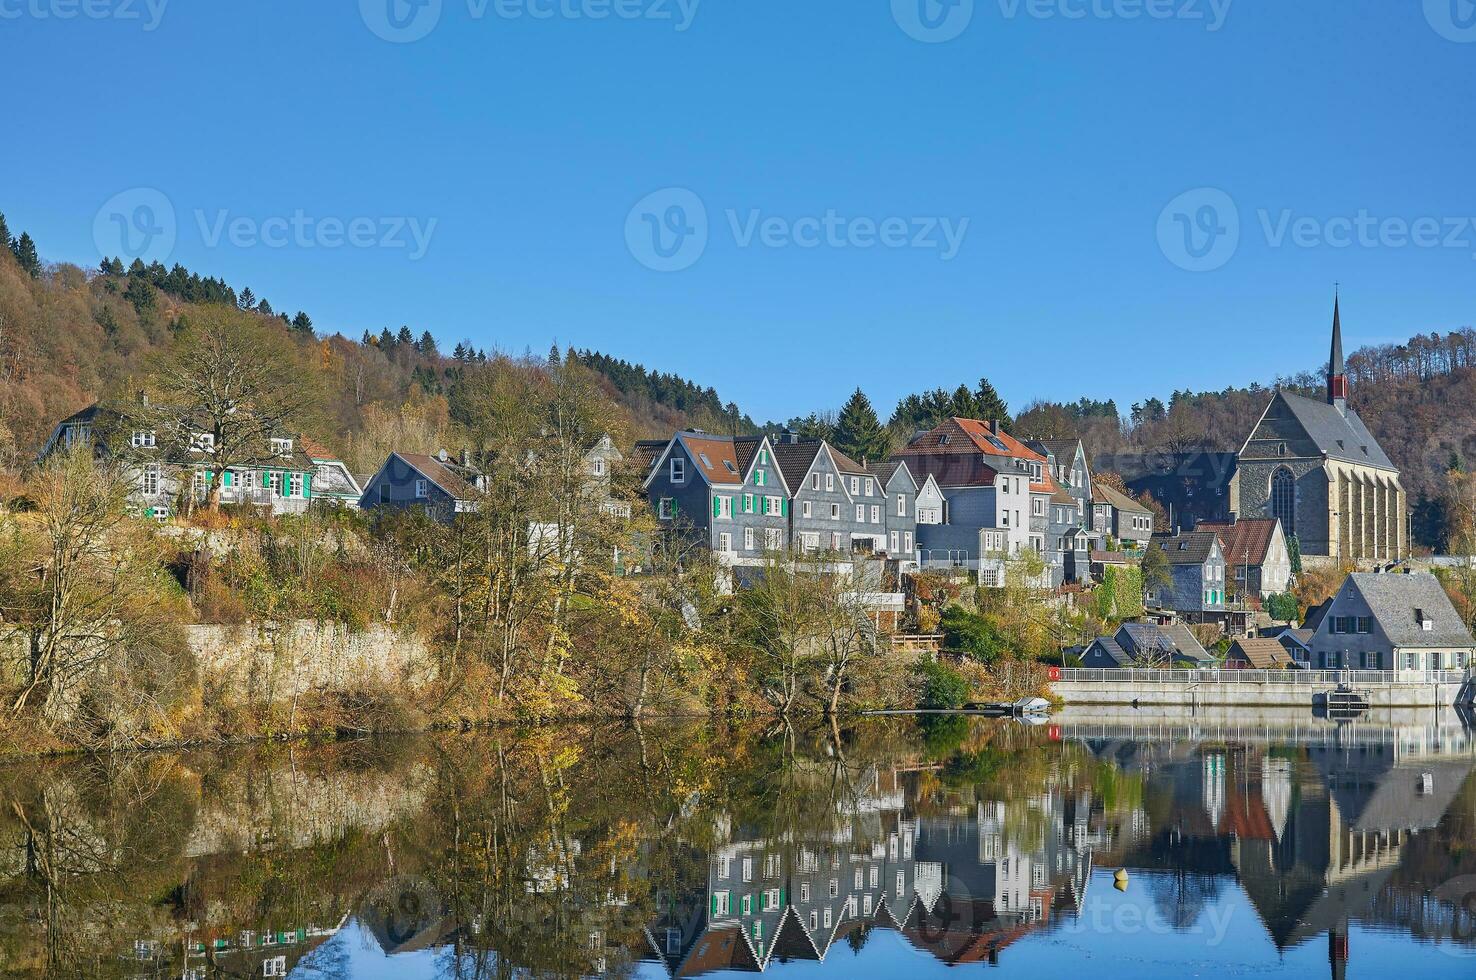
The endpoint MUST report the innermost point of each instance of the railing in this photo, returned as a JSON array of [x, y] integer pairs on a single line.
[[1301, 678]]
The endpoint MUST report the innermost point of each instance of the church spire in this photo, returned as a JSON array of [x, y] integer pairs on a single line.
[[1337, 371]]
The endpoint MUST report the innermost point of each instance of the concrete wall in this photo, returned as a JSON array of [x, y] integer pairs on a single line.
[[1126, 692]]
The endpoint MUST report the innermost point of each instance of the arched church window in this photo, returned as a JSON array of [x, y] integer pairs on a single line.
[[1284, 499]]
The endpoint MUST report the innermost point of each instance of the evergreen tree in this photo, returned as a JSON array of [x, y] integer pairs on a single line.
[[553, 355], [460, 352], [5, 231], [427, 345], [1294, 553], [302, 323], [989, 406], [247, 300], [405, 337], [386, 340], [265, 308], [858, 432], [140, 293], [369, 340], [25, 254]]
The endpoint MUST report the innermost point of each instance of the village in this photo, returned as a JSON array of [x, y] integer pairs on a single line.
[[971, 502]]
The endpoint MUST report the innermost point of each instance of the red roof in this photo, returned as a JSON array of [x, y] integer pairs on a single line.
[[1244, 542], [967, 452]]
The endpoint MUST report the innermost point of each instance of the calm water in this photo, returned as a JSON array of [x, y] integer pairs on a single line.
[[890, 848]]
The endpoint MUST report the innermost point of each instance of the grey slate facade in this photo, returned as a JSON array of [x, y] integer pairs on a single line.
[[1197, 568]]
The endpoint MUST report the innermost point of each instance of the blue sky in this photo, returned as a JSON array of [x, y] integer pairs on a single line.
[[544, 151]]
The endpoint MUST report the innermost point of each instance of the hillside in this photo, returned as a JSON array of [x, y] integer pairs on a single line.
[[69, 336]]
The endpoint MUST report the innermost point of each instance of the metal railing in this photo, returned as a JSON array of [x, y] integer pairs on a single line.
[[1301, 678]]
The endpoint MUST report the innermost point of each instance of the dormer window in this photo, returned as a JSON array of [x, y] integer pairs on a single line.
[[203, 442], [1281, 449], [1425, 622], [142, 439], [943, 439], [281, 447]]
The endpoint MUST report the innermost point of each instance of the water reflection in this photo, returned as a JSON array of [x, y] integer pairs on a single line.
[[1292, 844]]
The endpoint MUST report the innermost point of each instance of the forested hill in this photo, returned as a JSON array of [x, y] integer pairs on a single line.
[[69, 336]]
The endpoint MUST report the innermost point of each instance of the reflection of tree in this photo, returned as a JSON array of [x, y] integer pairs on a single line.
[[1180, 897]]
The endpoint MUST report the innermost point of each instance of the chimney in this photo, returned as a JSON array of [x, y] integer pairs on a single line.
[[994, 426], [466, 458]]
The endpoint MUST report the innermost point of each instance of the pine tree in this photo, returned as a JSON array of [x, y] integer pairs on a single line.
[[405, 337], [247, 300], [25, 254], [4, 231], [386, 340], [553, 355], [427, 345], [460, 352], [858, 432], [368, 340], [265, 308], [141, 294], [302, 323], [989, 406]]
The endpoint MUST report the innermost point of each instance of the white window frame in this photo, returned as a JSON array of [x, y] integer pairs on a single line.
[[773, 538], [901, 505], [725, 508], [677, 470], [860, 513], [203, 442], [143, 439], [152, 479], [725, 541], [855, 484], [280, 446], [805, 508], [422, 489], [747, 546], [275, 966], [875, 514], [664, 510], [814, 481], [829, 481], [295, 485]]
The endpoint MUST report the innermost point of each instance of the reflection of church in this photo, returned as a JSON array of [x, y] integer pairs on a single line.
[[1313, 464]]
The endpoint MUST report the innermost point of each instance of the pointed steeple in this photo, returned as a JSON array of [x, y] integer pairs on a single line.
[[1337, 370]]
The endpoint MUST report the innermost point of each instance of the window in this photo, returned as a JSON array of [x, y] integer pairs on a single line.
[[149, 484], [666, 508], [834, 887], [901, 505], [860, 513], [870, 487], [828, 917], [814, 921], [835, 512], [274, 483], [829, 481], [1284, 499], [724, 866], [1037, 507], [673, 941], [275, 966], [901, 884], [804, 891], [893, 540], [281, 447], [835, 541], [774, 506], [725, 542], [725, 508], [246, 481], [678, 470], [814, 481], [720, 903], [907, 541], [875, 876], [760, 478], [866, 904], [805, 509], [203, 442], [771, 899], [294, 485], [748, 503], [142, 439], [763, 457], [1410, 661], [748, 869], [1365, 624], [860, 881], [875, 514], [773, 538], [1005, 518], [747, 546]]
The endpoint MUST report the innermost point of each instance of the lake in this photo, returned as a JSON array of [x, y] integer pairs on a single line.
[[1117, 844]]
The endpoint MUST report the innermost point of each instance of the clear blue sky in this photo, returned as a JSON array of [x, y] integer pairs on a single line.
[[530, 140]]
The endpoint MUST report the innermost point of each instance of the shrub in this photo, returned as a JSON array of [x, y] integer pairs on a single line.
[[1283, 607], [972, 635], [943, 687]]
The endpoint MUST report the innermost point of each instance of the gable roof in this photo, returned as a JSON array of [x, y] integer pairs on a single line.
[[1103, 494], [1186, 548], [1176, 638], [1394, 599], [647, 451], [449, 477], [1341, 436], [794, 460], [1112, 649], [845, 463], [1262, 653], [884, 472], [1246, 541], [967, 453]]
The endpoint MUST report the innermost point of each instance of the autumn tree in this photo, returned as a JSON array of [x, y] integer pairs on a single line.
[[220, 396]]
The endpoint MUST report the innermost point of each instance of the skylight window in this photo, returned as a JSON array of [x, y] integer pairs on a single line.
[[706, 463], [731, 468], [997, 444]]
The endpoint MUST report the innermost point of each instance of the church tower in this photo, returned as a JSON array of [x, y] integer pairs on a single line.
[[1337, 370]]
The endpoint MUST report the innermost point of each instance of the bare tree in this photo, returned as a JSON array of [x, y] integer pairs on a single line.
[[221, 396]]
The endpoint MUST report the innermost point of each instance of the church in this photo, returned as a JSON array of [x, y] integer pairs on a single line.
[[1314, 464]]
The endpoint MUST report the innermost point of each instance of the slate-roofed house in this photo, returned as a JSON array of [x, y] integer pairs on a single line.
[[1392, 622], [995, 490], [1314, 465], [442, 485], [332, 481], [283, 476], [729, 491], [1197, 574], [1121, 517], [1256, 552], [1150, 642]]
